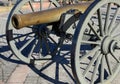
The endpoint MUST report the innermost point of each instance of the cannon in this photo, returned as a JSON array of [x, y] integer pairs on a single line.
[[92, 28]]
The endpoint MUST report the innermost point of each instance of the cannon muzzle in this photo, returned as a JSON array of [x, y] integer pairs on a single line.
[[47, 16]]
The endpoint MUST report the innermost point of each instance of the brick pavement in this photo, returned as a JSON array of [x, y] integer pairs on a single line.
[[19, 75], [16, 73]]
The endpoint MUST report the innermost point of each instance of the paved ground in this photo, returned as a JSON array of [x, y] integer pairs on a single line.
[[13, 71]]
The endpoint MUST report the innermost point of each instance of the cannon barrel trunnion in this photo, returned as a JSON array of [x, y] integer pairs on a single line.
[[91, 28]]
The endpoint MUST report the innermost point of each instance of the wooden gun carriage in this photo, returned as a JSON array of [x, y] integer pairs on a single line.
[[91, 28]]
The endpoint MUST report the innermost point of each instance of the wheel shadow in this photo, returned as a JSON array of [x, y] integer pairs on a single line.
[[8, 62], [5, 52], [60, 65], [60, 62]]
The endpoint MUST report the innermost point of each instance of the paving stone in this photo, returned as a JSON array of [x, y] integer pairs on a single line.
[[31, 80], [19, 75], [57, 71], [7, 71]]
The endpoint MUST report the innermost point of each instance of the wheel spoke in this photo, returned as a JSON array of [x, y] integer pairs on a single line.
[[92, 27], [113, 20], [23, 35], [108, 64], [96, 68], [91, 62], [46, 66], [49, 5], [31, 6], [117, 36], [30, 36], [102, 68], [100, 22], [90, 42], [57, 71], [66, 70], [95, 62], [26, 44], [33, 47], [41, 2], [90, 52], [107, 18], [56, 4], [117, 45], [113, 55], [114, 29], [60, 43], [52, 40], [20, 12]]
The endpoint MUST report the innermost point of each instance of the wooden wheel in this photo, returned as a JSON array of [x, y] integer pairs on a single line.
[[96, 43], [32, 44]]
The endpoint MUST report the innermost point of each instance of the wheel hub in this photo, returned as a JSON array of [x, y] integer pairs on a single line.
[[108, 45]]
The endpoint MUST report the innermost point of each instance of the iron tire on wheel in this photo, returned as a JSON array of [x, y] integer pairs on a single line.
[[21, 40], [96, 44]]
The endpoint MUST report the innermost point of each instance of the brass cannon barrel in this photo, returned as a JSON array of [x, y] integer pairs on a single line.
[[47, 16]]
